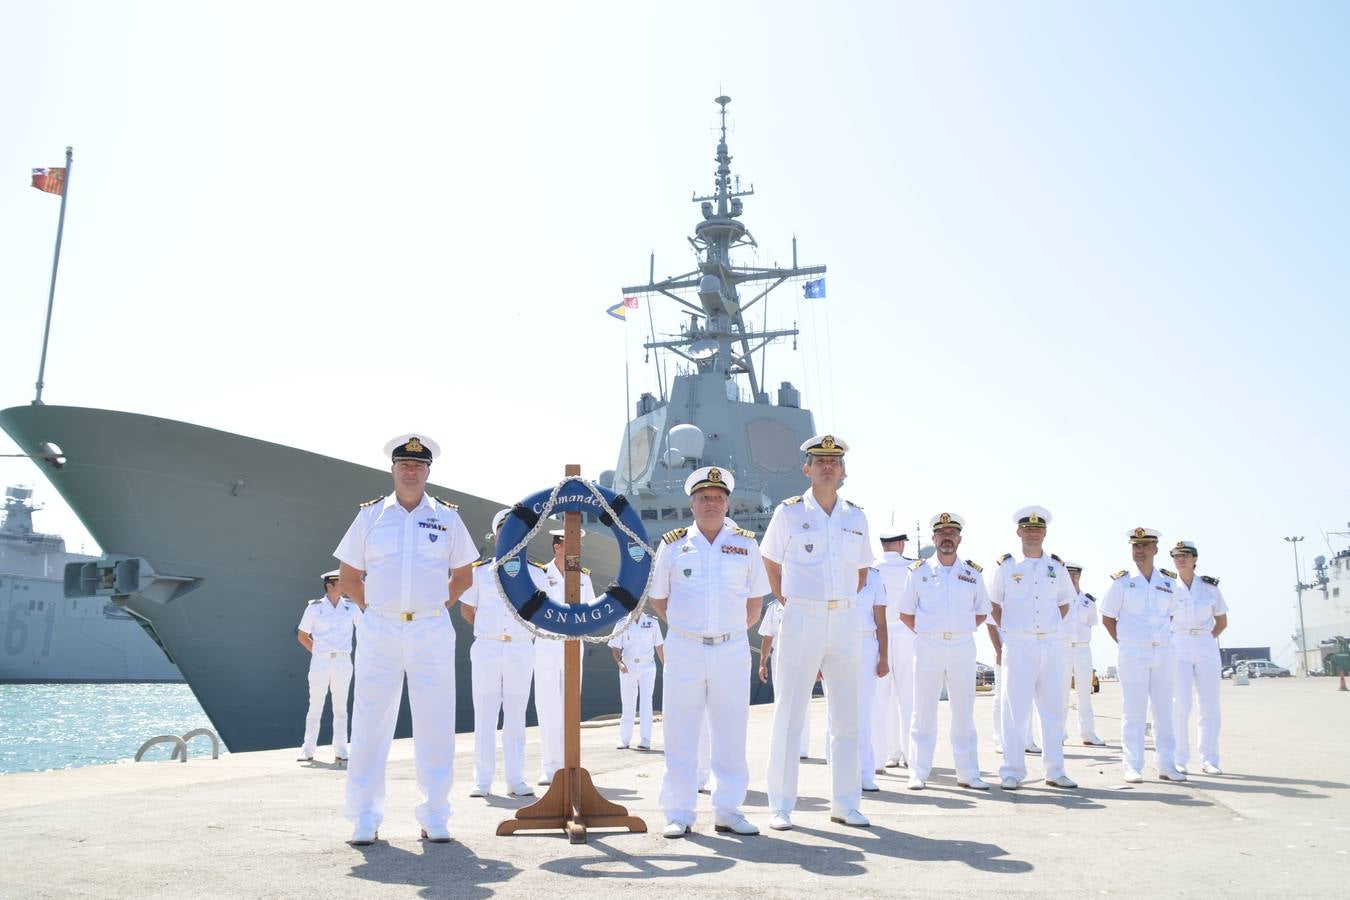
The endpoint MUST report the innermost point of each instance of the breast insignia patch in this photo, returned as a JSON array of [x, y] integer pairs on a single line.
[[671, 537]]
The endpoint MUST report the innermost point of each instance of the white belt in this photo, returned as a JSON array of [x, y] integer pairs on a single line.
[[1145, 643], [945, 635], [828, 604], [332, 653], [412, 615], [868, 631], [1197, 631], [1079, 643], [1036, 635], [707, 640], [500, 637]]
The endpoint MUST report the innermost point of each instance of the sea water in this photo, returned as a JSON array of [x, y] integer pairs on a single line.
[[59, 726]]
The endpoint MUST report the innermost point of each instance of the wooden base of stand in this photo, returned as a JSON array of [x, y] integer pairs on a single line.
[[572, 804]]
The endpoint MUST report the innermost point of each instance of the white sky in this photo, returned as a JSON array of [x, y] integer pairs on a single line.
[[1087, 257]]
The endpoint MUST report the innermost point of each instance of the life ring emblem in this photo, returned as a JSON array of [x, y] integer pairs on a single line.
[[620, 599]]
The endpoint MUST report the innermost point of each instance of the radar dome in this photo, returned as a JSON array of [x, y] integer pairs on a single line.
[[688, 440]]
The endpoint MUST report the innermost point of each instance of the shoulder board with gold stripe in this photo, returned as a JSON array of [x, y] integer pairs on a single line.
[[1004, 558], [315, 600], [585, 571], [1210, 579], [745, 534], [1116, 576], [481, 562], [1168, 572], [539, 565], [855, 505], [915, 565], [1056, 559], [791, 500], [1090, 597], [671, 537], [372, 502], [974, 565], [447, 503]]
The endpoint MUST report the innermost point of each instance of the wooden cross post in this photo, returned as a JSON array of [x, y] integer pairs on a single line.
[[572, 803]]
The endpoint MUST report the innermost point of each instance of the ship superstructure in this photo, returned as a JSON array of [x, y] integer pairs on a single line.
[[1325, 604]]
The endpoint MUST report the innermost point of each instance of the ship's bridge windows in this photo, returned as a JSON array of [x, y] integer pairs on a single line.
[[649, 515], [670, 514]]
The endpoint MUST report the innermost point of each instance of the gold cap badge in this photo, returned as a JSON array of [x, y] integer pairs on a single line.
[[715, 476], [413, 446]]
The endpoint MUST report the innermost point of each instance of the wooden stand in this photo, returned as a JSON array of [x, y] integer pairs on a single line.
[[572, 803]]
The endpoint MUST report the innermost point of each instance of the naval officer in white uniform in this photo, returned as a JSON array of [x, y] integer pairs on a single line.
[[548, 662], [416, 557], [1201, 616], [502, 657], [817, 550], [943, 602], [708, 583], [325, 630], [892, 711], [636, 648], [1077, 634], [1137, 613], [1030, 598]]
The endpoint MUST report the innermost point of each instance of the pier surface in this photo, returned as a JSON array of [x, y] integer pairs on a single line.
[[263, 825]]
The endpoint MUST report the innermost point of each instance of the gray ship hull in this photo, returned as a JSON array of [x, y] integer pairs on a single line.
[[254, 522], [45, 637]]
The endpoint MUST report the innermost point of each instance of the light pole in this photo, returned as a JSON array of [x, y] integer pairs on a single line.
[[1298, 589]]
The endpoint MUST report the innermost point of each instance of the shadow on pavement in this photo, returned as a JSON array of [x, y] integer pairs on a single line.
[[439, 870]]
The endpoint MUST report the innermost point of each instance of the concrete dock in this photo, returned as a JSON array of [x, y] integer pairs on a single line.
[[263, 825]]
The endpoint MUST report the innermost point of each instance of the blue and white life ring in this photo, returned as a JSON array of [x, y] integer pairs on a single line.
[[620, 599]]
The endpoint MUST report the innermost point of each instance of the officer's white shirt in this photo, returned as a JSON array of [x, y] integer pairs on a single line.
[[492, 619], [772, 619], [944, 598], [1197, 605], [330, 626], [894, 570], [407, 556], [1031, 592], [820, 554], [550, 652], [1142, 607], [1081, 619], [872, 595], [707, 583], [639, 640]]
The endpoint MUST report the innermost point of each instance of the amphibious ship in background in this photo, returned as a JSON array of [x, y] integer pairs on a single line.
[[1324, 609], [45, 636], [215, 540]]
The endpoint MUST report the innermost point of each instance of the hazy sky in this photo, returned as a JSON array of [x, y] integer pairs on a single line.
[[1087, 256]]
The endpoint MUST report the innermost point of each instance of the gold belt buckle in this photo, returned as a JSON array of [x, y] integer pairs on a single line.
[[1157, 643], [946, 635], [1041, 635], [407, 617], [507, 638], [832, 604]]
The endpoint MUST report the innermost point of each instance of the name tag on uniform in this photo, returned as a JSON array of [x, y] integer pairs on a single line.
[[433, 524], [739, 551], [966, 578], [851, 531], [1164, 588]]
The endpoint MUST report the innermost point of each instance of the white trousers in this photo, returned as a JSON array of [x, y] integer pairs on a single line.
[[805, 748], [635, 691], [704, 753], [867, 690], [936, 660], [1078, 670], [813, 638], [1197, 673], [548, 709], [893, 703], [1146, 675], [423, 650], [1033, 668], [709, 685], [1000, 679], [328, 673], [501, 685]]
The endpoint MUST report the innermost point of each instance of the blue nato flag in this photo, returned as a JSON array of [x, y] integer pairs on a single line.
[[815, 289]]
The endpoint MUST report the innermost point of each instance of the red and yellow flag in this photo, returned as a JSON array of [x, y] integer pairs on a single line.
[[53, 181]]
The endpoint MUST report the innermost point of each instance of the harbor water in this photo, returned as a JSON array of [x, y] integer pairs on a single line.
[[61, 726]]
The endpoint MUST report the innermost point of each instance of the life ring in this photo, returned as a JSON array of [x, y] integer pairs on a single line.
[[620, 599]]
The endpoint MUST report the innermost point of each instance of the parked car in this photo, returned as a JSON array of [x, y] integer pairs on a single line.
[[1264, 668]]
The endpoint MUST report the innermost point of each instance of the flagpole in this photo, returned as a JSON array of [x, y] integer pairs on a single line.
[[51, 294]]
